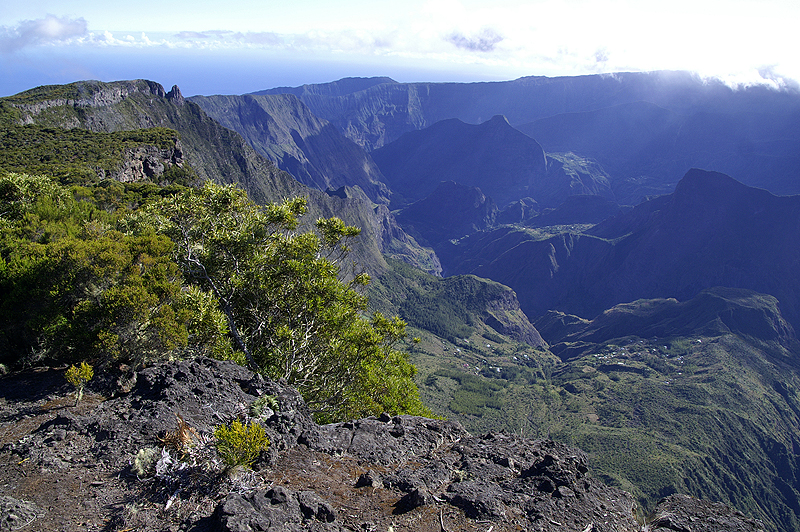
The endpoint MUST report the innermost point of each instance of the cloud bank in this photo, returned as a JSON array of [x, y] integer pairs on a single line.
[[453, 39], [49, 29]]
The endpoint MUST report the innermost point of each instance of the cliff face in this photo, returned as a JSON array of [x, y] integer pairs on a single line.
[[70, 466], [451, 211], [148, 162], [283, 129], [503, 162]]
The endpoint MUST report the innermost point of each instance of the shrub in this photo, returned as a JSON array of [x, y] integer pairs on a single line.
[[144, 463], [239, 444], [78, 377], [265, 401]]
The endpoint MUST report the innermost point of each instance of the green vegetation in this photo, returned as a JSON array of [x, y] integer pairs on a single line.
[[694, 415], [73, 286], [239, 444], [287, 311], [78, 376], [76, 156], [473, 393], [265, 401], [451, 308], [203, 271]]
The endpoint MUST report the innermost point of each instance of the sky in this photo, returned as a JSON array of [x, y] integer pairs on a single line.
[[240, 46]]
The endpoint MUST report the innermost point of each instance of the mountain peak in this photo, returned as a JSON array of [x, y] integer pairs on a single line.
[[697, 181], [175, 96], [497, 120]]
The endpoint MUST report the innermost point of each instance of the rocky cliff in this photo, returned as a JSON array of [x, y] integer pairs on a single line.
[[283, 129], [67, 467]]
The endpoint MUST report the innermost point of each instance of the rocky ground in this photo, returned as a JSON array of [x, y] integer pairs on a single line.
[[66, 468]]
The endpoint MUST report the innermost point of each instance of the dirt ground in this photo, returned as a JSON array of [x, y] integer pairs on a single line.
[[63, 487]]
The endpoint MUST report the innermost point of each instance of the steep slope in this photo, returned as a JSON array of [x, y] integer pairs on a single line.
[[378, 112], [215, 153], [751, 133], [493, 156], [697, 397], [451, 211], [453, 307], [281, 128], [712, 231]]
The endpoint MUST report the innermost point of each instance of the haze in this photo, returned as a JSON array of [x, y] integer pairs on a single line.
[[210, 47]]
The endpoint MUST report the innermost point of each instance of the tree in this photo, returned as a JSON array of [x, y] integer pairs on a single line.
[[73, 287], [287, 310]]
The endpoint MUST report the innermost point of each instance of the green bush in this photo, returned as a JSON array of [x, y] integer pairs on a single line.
[[239, 444], [78, 377], [265, 401]]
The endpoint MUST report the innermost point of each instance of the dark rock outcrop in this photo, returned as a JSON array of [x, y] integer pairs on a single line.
[[682, 513], [277, 509], [402, 470], [148, 163]]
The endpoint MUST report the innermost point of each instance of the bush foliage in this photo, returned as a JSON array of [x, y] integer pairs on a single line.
[[239, 444], [137, 273]]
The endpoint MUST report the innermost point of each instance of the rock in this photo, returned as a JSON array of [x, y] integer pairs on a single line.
[[418, 497], [413, 465], [16, 514], [369, 479], [687, 514], [275, 509]]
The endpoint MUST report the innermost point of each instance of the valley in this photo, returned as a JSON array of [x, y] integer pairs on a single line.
[[608, 261]]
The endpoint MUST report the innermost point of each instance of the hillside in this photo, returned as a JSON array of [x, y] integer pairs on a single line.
[[451, 150], [454, 307], [212, 151], [282, 128], [698, 397], [642, 139], [452, 210]]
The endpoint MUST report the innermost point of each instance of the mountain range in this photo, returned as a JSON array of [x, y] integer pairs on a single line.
[[712, 231], [646, 128], [620, 253]]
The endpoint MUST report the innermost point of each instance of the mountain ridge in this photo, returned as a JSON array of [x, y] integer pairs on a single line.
[[671, 246], [281, 128], [754, 154]]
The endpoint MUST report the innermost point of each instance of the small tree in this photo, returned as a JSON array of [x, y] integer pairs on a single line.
[[78, 377], [287, 310], [72, 286]]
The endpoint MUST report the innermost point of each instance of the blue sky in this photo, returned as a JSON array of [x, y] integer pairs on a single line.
[[212, 47]]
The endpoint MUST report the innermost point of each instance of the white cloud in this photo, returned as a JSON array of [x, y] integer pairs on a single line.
[[40, 31], [484, 41], [742, 41]]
